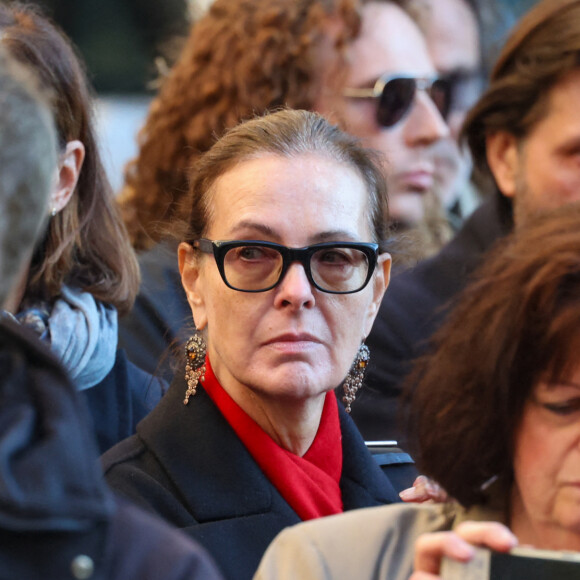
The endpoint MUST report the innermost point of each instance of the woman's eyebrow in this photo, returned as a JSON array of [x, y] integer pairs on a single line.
[[331, 235], [568, 384]]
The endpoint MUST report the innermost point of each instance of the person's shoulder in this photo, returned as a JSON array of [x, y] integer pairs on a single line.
[[133, 470], [144, 546], [123, 456], [334, 547]]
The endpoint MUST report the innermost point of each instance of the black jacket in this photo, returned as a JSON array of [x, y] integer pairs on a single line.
[[56, 513], [187, 465], [414, 306], [121, 400], [159, 314]]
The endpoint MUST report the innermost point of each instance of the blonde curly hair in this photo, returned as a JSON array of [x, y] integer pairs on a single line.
[[241, 59]]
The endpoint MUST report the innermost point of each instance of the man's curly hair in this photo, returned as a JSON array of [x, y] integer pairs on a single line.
[[241, 58]]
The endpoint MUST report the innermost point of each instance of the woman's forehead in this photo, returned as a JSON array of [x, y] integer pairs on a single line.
[[306, 191]]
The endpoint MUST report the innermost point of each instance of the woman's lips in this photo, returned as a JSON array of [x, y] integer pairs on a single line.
[[293, 342]]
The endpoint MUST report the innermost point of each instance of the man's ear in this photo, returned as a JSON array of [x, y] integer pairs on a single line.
[[70, 164], [503, 158], [192, 281], [380, 282]]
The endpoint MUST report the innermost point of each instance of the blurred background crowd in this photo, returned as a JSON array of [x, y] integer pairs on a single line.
[[127, 45]]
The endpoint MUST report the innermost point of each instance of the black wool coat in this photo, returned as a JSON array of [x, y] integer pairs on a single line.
[[187, 465], [56, 513]]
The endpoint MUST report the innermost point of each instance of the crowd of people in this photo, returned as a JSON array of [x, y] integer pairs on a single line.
[[296, 350]]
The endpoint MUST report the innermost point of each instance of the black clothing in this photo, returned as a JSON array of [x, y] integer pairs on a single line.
[[159, 313], [121, 400], [187, 465], [57, 516], [414, 306]]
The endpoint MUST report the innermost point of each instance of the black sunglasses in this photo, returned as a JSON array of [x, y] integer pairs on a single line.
[[465, 88], [256, 266], [395, 96]]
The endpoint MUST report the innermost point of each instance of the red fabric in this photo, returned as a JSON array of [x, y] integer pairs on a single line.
[[310, 484]]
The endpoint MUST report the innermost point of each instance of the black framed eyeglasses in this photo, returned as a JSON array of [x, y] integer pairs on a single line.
[[395, 95], [256, 266]]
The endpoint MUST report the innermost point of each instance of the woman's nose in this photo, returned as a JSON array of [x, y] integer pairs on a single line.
[[295, 289]]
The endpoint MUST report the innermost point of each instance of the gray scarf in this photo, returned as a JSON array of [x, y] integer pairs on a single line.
[[81, 331]]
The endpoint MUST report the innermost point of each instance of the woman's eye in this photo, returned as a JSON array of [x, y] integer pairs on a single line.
[[563, 408], [333, 257], [251, 253]]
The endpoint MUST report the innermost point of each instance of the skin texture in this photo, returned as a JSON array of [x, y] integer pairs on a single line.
[[278, 352], [453, 42], [546, 495], [390, 42], [542, 171]]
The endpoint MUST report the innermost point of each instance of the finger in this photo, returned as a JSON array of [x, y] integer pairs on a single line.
[[489, 534], [430, 549], [418, 493], [424, 489], [424, 576]]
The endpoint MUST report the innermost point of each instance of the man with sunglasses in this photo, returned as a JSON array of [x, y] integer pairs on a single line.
[[394, 101], [524, 134]]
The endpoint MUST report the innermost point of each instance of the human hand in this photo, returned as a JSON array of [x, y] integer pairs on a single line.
[[424, 490], [459, 545]]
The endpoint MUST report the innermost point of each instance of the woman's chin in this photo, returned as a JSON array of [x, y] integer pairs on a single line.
[[294, 380]]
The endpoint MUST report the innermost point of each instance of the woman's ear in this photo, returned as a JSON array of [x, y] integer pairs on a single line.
[[69, 169], [503, 158], [380, 282], [193, 283]]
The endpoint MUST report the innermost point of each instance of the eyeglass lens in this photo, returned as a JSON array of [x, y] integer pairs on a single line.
[[255, 268], [398, 94]]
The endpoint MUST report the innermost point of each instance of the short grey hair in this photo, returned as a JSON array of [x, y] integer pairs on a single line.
[[28, 161]]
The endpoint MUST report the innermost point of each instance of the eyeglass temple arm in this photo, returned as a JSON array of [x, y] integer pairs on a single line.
[[360, 93]]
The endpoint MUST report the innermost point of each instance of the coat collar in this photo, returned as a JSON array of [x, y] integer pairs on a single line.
[[216, 476]]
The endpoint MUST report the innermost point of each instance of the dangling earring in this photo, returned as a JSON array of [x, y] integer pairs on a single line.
[[195, 366], [355, 376], [53, 212]]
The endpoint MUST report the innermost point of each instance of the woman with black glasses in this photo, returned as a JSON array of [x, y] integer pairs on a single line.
[[284, 275]]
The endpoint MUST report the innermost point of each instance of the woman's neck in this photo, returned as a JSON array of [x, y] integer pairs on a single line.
[[292, 422]]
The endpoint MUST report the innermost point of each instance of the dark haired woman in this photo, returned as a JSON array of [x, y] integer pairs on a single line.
[[283, 270], [83, 272]]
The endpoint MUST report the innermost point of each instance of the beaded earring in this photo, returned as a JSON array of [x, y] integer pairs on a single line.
[[355, 376], [195, 350]]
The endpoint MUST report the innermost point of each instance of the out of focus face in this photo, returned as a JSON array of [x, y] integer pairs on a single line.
[[452, 39], [453, 42], [391, 43], [293, 341], [546, 496], [542, 170]]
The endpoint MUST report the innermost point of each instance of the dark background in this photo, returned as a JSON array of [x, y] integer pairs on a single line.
[[120, 39]]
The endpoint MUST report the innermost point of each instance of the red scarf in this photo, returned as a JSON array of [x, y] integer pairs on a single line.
[[309, 484]]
